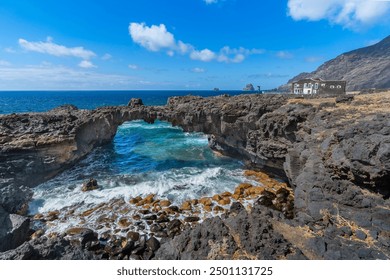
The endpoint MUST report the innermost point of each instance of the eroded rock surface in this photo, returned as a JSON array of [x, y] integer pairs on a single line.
[[335, 156]]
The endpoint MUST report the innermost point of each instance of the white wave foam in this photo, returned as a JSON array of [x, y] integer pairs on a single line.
[[176, 184]]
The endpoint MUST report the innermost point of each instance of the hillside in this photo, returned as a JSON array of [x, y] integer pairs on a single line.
[[363, 68]]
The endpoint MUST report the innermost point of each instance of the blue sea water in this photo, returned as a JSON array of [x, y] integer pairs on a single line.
[[40, 101], [142, 159]]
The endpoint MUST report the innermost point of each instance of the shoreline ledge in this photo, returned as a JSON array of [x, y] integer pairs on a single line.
[[333, 152]]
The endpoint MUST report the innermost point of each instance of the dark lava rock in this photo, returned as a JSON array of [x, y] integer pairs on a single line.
[[329, 161], [344, 98], [15, 199], [162, 219], [174, 227], [44, 248], [174, 208], [216, 239], [236, 208], [153, 244], [81, 235], [132, 235], [155, 228], [360, 234], [150, 217], [266, 199], [191, 219], [135, 102], [90, 185], [14, 230]]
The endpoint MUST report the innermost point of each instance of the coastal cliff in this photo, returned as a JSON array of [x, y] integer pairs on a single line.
[[364, 68], [334, 153]]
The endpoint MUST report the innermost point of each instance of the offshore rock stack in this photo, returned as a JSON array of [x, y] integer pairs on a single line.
[[334, 156]]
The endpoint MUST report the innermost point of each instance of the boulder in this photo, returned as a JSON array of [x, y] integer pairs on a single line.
[[135, 102], [44, 248], [90, 185], [14, 230]]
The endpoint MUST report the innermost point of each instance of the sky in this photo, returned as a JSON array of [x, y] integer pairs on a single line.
[[177, 44]]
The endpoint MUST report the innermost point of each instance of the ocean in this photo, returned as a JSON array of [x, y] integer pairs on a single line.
[[40, 101], [142, 159]]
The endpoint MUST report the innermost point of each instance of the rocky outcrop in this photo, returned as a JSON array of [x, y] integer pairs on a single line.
[[334, 154], [14, 230], [36, 147], [363, 68], [44, 248], [236, 235]]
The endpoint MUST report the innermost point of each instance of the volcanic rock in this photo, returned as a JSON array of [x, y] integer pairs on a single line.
[[14, 230], [90, 185]]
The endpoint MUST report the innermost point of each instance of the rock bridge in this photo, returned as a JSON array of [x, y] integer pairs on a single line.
[[335, 154]]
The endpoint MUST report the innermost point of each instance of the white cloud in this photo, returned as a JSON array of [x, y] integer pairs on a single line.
[[51, 48], [210, 1], [59, 77], [203, 55], [184, 48], [9, 50], [158, 38], [284, 55], [348, 13], [198, 70], [133, 66], [4, 63], [106, 56], [236, 55], [86, 64], [238, 58], [227, 50], [153, 38]]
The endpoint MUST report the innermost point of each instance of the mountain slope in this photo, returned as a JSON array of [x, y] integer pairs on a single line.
[[363, 68]]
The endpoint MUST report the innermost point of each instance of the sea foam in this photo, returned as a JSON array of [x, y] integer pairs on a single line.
[[143, 159]]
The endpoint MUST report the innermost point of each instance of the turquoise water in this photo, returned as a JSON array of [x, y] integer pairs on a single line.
[[142, 159]]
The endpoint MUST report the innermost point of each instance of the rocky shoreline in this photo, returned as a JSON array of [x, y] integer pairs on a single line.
[[333, 152]]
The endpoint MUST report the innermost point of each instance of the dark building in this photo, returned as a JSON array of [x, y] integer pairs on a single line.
[[318, 86]]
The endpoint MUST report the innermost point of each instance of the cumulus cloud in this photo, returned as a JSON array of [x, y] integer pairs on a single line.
[[203, 55], [158, 38], [348, 13], [153, 38], [86, 64]]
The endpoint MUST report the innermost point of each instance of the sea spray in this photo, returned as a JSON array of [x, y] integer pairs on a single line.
[[143, 158]]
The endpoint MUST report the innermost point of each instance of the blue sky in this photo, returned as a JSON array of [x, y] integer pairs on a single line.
[[177, 44]]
